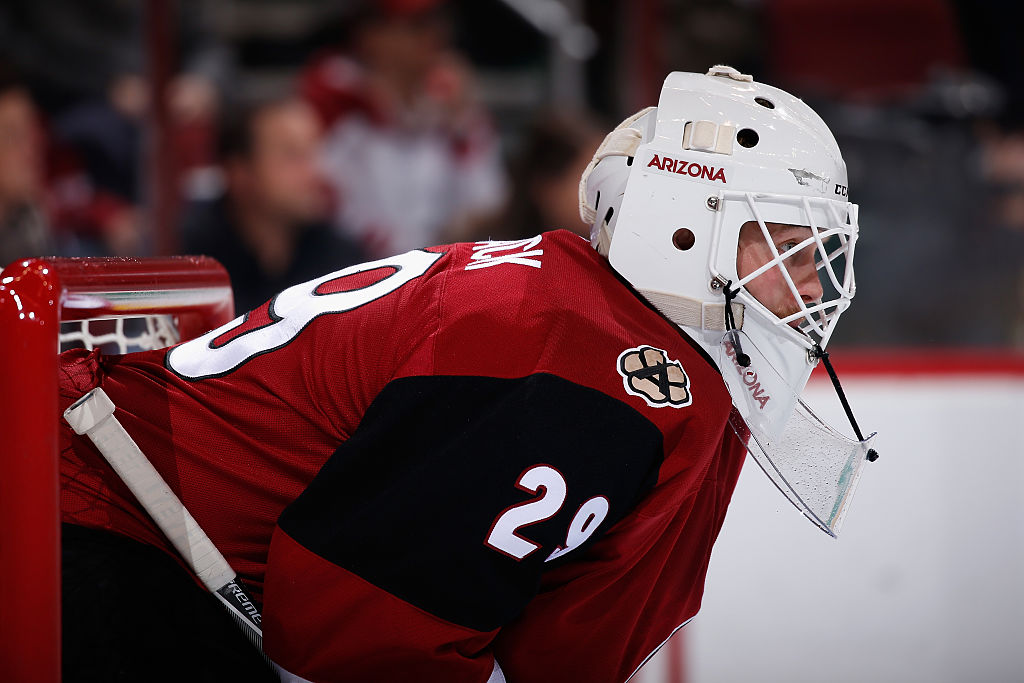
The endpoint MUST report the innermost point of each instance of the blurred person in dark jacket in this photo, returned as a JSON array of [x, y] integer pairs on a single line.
[[88, 66], [48, 203], [269, 228], [24, 230]]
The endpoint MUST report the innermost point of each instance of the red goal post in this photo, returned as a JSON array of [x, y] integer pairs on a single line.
[[141, 303]]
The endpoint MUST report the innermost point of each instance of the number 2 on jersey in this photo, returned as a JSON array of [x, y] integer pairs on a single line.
[[551, 487], [272, 326]]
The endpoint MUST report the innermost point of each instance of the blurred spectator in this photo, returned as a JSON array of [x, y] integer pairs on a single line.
[[87, 65], [95, 167], [545, 173], [998, 240], [48, 203], [1003, 167], [104, 136], [23, 227], [269, 228], [410, 154]]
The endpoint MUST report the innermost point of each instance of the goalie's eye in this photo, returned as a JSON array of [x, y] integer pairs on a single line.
[[787, 245]]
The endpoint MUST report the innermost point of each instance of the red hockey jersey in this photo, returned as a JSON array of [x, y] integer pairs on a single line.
[[424, 464]]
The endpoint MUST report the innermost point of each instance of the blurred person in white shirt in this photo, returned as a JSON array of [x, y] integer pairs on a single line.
[[411, 155]]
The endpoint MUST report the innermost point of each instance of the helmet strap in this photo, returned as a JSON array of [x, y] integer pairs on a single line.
[[730, 325], [818, 352]]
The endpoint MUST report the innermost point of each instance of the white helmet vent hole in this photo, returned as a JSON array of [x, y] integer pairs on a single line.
[[683, 239], [765, 102], [609, 214], [747, 137]]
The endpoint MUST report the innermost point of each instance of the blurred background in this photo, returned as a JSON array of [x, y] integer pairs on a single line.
[[287, 138]]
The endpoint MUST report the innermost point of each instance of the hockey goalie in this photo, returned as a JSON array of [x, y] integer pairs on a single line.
[[502, 461]]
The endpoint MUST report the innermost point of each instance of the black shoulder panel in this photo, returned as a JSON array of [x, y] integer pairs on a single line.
[[454, 491]]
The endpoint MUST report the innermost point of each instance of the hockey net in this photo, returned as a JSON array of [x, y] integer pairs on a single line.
[[120, 335], [119, 305]]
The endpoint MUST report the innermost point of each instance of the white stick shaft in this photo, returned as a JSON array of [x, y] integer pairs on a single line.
[[93, 415]]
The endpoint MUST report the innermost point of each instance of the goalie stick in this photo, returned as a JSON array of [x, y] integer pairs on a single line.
[[93, 415]]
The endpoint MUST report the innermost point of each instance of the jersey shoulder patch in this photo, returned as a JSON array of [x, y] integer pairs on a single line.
[[649, 373]]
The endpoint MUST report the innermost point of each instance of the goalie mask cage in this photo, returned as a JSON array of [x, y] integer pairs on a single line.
[[119, 304]]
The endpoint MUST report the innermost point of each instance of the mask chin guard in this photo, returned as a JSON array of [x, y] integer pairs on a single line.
[[812, 463]]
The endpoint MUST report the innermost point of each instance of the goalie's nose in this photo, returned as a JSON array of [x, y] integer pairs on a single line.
[[807, 282]]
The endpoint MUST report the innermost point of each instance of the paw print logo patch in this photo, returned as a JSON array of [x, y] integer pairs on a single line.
[[648, 372]]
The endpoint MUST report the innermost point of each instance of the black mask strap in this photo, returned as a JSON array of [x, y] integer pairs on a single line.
[[730, 325], [819, 352]]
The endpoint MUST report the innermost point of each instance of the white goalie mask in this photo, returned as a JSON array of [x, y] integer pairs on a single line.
[[671, 193]]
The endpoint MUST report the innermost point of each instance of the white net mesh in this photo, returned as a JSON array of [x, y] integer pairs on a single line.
[[120, 335]]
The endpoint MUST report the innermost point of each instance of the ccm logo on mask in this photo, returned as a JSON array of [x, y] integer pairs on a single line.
[[681, 167]]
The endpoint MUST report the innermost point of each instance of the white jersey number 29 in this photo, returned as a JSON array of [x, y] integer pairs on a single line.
[[224, 349], [550, 485]]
